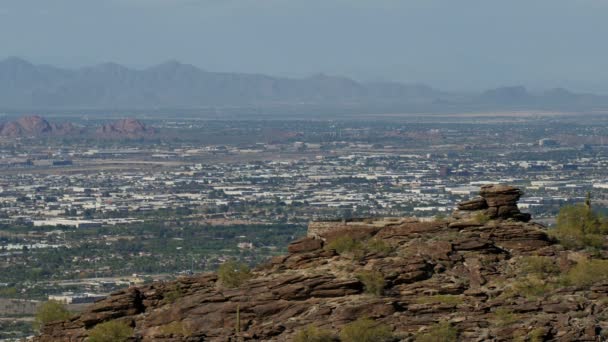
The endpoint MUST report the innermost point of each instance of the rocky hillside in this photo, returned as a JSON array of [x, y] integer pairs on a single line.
[[125, 128], [35, 126], [486, 273]]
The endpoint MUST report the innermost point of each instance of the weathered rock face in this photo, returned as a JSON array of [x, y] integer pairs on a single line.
[[454, 271]]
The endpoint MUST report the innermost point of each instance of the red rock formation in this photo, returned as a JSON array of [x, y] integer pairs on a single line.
[[33, 126], [126, 128]]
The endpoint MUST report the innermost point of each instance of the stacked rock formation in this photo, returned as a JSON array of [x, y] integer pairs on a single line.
[[496, 201], [456, 271]]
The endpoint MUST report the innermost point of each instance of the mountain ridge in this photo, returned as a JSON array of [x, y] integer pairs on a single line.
[[172, 84]]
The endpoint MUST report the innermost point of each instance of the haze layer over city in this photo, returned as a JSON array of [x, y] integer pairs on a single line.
[[303, 171]]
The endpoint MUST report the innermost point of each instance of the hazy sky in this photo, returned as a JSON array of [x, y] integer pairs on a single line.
[[451, 44]]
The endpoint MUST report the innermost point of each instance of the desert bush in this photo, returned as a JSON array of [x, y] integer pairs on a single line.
[[344, 244], [176, 328], [377, 246], [313, 334], [587, 272], [537, 335], [538, 265], [481, 218], [49, 312], [358, 248], [503, 317], [445, 299], [174, 294], [579, 227], [366, 330], [442, 332], [373, 281], [532, 287], [233, 273], [111, 331]]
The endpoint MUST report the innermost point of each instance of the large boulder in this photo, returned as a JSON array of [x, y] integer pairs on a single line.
[[498, 195]]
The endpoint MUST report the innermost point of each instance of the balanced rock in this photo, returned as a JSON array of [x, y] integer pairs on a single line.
[[498, 195], [496, 201]]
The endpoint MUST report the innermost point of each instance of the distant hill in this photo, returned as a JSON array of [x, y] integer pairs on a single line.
[[35, 126], [125, 128]]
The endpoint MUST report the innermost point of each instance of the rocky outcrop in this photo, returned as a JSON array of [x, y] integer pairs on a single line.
[[125, 128], [34, 126], [458, 271], [496, 201]]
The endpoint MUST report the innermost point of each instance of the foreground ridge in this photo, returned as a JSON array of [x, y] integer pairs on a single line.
[[472, 271]]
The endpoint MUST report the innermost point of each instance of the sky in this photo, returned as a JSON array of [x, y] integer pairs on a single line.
[[449, 44]]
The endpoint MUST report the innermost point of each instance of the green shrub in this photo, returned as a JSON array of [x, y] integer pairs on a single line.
[[174, 294], [377, 246], [588, 272], [445, 299], [313, 334], [357, 248], [579, 227], [344, 244], [442, 332], [532, 287], [233, 274], [482, 218], [503, 317], [538, 265], [50, 311], [373, 281], [365, 330], [176, 328], [537, 335], [111, 331]]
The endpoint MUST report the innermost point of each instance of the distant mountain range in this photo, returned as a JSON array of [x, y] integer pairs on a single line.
[[35, 126], [24, 85]]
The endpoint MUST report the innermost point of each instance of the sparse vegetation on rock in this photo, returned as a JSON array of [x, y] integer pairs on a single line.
[[50, 311], [314, 334], [366, 330], [578, 226], [112, 331], [588, 272], [373, 281], [233, 273], [441, 332], [345, 244]]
